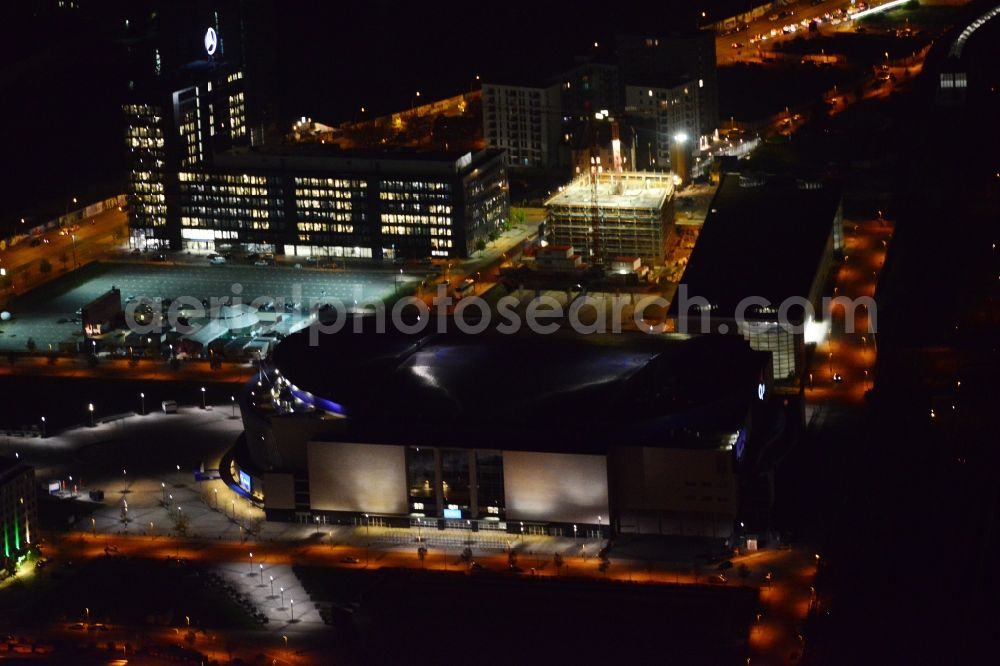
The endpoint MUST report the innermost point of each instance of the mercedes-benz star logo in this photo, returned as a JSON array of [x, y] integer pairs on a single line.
[[211, 41]]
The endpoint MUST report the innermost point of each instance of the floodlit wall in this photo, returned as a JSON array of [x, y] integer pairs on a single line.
[[369, 478], [555, 487]]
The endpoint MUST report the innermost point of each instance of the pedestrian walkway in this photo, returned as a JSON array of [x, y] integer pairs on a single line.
[[271, 591]]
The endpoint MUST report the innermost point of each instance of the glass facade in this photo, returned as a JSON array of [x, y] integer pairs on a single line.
[[228, 207], [455, 481], [421, 466], [489, 484], [331, 212], [144, 138], [784, 345], [471, 483], [417, 208]]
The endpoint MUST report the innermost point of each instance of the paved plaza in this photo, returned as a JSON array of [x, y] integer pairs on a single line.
[[148, 468]]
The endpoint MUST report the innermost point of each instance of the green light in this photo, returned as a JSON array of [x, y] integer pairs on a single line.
[[6, 541], [17, 534]]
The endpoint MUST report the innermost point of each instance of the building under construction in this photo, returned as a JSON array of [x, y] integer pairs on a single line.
[[606, 215]]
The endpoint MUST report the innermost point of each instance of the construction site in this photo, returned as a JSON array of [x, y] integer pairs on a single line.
[[610, 215]]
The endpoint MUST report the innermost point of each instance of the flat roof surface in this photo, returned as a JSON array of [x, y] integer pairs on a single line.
[[559, 392], [10, 468], [331, 157], [765, 241], [626, 190]]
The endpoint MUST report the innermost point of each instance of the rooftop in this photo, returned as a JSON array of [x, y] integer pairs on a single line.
[[561, 392], [631, 189], [327, 156], [10, 468], [763, 236]]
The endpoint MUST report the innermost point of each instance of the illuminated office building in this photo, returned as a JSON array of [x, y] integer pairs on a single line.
[[198, 182]]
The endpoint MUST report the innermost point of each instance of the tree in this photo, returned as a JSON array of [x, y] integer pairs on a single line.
[[44, 267], [480, 245], [494, 235], [422, 554], [31, 345]]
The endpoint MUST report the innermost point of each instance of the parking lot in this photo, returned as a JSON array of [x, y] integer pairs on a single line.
[[37, 314]]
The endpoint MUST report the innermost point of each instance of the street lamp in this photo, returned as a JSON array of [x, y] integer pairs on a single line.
[[368, 523], [142, 402], [281, 590], [124, 481], [216, 491], [163, 491], [232, 399], [291, 608], [251, 562], [43, 427], [90, 410], [261, 574], [203, 397], [272, 585]]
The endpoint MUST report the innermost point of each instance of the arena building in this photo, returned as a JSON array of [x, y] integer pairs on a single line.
[[562, 434]]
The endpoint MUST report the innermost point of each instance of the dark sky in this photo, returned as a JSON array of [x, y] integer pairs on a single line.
[[62, 76]]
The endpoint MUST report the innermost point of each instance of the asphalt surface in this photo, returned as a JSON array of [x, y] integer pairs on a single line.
[[37, 314]]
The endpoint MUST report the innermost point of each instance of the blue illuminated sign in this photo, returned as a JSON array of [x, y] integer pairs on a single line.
[[453, 513], [244, 481], [741, 440]]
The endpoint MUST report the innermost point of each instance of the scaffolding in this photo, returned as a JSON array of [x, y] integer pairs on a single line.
[[635, 210]]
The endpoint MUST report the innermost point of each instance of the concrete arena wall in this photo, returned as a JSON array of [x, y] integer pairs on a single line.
[[555, 487], [362, 478]]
